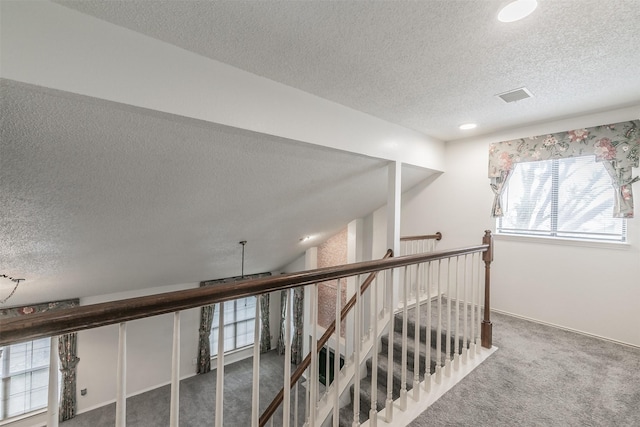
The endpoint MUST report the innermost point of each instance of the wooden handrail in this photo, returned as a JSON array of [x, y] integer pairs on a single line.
[[437, 236], [75, 319], [297, 374]]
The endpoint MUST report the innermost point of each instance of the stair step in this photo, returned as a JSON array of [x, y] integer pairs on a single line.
[[397, 348], [365, 398], [346, 413], [396, 377]]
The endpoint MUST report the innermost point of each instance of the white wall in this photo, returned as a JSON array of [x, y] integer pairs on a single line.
[[593, 289], [149, 343]]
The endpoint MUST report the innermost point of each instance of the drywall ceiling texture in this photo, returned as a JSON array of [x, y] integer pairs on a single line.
[[97, 197], [428, 66]]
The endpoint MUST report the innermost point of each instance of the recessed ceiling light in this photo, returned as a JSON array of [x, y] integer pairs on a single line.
[[468, 126], [517, 10]]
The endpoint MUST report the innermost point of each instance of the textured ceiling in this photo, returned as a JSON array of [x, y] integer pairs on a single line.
[[98, 197], [428, 65]]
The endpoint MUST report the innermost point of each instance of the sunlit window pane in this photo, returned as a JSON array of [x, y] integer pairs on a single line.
[[568, 198], [25, 377], [239, 319]]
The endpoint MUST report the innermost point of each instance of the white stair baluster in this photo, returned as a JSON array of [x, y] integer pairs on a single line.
[[456, 346], [121, 387], [312, 379], [439, 326], [326, 372], [427, 367], [389, 401], [356, 359], [448, 337], [220, 369], [336, 361], [373, 412], [295, 402], [255, 390], [416, 336], [286, 407], [472, 308], [175, 373], [405, 327], [480, 289], [468, 331]]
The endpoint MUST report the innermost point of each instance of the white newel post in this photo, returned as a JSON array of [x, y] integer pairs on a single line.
[[175, 373], [53, 397], [121, 387]]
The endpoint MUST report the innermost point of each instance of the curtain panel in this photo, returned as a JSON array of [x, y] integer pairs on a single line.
[[283, 318], [204, 344], [265, 329], [616, 145], [298, 325], [67, 352]]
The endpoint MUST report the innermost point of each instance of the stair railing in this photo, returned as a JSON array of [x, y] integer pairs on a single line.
[[411, 245], [54, 323], [331, 329], [419, 274]]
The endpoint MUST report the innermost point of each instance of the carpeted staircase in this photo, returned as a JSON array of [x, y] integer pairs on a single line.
[[346, 413]]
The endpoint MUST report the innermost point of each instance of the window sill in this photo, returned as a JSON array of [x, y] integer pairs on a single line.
[[563, 241], [21, 417]]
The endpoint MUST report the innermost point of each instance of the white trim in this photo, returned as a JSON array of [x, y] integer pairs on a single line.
[[141, 391], [21, 417], [553, 325], [233, 356], [563, 241]]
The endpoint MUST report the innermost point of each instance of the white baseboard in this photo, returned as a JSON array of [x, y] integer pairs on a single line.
[[577, 331]]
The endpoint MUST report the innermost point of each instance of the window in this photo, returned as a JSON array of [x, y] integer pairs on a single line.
[[25, 377], [239, 324], [566, 198]]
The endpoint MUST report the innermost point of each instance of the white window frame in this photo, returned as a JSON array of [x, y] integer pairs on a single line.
[[5, 379], [552, 235], [234, 324]]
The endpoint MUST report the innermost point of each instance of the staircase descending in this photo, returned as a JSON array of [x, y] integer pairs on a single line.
[[346, 412]]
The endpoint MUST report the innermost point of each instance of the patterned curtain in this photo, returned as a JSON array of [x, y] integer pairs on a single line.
[[298, 324], [204, 345], [265, 332], [616, 145], [68, 352], [498, 185], [283, 319]]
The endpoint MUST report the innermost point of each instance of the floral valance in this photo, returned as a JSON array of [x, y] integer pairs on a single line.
[[38, 308], [616, 145]]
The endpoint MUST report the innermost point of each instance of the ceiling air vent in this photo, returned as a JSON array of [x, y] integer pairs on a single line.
[[515, 95]]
